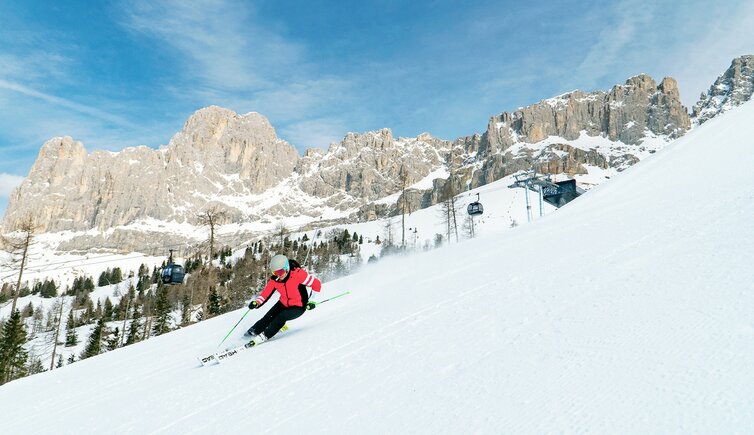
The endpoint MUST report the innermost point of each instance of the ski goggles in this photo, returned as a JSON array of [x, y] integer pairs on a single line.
[[279, 272]]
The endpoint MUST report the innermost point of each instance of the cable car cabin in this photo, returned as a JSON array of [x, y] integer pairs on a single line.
[[475, 208], [173, 274], [561, 193]]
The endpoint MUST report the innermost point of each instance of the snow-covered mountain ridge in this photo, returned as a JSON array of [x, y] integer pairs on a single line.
[[731, 89], [626, 312], [137, 199]]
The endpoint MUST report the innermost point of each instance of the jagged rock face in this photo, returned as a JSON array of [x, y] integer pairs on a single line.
[[218, 153], [218, 141], [732, 88], [623, 114], [67, 189], [228, 159], [369, 166], [218, 157]]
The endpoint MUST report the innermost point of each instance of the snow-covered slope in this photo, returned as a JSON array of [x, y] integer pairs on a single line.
[[629, 311]]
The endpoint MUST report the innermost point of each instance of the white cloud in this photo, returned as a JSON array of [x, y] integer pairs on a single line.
[[722, 35], [64, 103], [231, 58], [220, 42], [9, 182], [632, 19]]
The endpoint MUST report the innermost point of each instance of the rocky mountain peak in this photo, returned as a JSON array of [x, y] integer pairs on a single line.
[[215, 126], [62, 148], [641, 82], [224, 158], [734, 87], [623, 114], [375, 140], [669, 86], [58, 156]]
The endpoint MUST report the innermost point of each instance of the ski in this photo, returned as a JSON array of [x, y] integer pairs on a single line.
[[218, 357]]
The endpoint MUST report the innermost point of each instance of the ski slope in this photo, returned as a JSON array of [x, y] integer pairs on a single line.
[[628, 311]]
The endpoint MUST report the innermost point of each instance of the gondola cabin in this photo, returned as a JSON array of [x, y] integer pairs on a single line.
[[475, 208], [173, 274]]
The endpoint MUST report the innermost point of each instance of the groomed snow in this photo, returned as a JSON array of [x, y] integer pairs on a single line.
[[628, 311]]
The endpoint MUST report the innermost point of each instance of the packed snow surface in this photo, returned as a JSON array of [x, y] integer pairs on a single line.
[[627, 311]]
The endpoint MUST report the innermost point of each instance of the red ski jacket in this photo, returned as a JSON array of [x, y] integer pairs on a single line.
[[292, 289]]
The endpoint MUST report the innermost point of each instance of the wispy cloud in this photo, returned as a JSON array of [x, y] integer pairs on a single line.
[[65, 103], [221, 50], [624, 27], [9, 182], [718, 36], [230, 57]]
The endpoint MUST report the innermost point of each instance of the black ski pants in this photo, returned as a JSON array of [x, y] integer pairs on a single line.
[[271, 322]]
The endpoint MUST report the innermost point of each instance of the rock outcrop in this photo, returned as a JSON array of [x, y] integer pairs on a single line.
[[218, 158], [733, 88], [238, 163], [626, 113]]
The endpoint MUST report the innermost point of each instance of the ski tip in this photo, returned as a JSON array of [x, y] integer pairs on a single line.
[[208, 360]]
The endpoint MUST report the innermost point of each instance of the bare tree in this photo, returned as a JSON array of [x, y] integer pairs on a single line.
[[129, 295], [388, 232], [18, 246], [404, 179], [281, 231], [210, 218], [448, 208], [468, 227], [57, 333]]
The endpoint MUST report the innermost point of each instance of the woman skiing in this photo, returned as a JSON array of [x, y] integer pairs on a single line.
[[290, 281]]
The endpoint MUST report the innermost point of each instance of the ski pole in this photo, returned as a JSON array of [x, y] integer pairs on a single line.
[[234, 327], [334, 297]]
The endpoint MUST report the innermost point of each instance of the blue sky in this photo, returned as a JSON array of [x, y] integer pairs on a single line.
[[117, 74]]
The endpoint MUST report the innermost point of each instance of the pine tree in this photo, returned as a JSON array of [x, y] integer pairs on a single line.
[[185, 310], [71, 338], [71, 359], [94, 346], [28, 311], [107, 311], [134, 327], [116, 276], [161, 312], [12, 354], [48, 289], [89, 311], [113, 339], [59, 364], [213, 304], [104, 278], [143, 271]]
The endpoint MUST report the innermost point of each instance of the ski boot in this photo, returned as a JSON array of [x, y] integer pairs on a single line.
[[259, 339]]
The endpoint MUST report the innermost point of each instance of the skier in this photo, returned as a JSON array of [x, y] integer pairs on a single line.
[[290, 280]]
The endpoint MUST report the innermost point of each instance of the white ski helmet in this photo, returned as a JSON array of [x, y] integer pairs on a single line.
[[279, 262]]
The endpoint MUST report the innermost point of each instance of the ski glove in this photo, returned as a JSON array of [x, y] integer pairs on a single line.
[[253, 304], [310, 305]]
